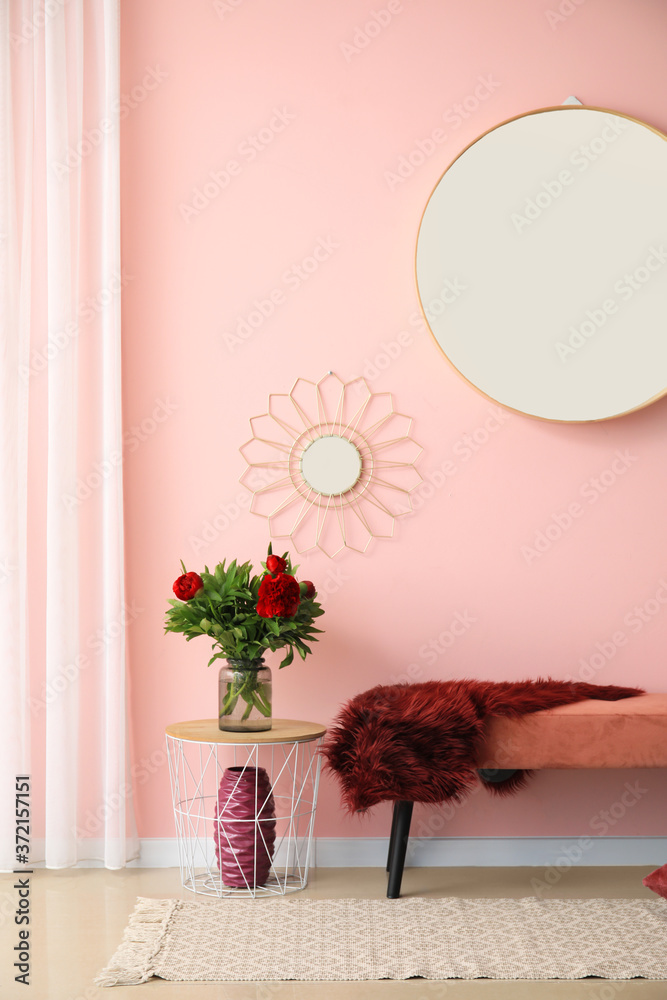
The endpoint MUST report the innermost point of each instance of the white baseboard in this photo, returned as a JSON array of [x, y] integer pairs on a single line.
[[428, 852], [452, 852]]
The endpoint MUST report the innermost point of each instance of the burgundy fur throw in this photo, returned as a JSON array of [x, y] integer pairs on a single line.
[[419, 742]]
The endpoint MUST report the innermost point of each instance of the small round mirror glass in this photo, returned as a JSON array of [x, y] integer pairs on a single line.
[[331, 465]]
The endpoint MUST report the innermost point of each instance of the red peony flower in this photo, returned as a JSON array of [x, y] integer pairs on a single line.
[[307, 588], [275, 564], [278, 596], [187, 586]]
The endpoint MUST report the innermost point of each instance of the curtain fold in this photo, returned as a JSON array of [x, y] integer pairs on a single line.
[[62, 78], [61, 344], [15, 284], [115, 756]]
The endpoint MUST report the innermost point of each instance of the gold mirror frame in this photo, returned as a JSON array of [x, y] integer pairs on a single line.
[[467, 375], [331, 521]]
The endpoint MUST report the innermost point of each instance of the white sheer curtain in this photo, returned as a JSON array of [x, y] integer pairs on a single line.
[[15, 262], [61, 514]]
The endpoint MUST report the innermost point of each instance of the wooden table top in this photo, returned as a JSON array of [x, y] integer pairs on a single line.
[[282, 731]]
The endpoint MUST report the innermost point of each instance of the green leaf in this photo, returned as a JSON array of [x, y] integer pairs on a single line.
[[226, 611], [288, 658]]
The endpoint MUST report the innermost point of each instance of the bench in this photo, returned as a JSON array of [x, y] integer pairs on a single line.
[[587, 734]]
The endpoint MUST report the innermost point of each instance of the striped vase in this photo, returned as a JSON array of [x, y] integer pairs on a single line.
[[245, 827]]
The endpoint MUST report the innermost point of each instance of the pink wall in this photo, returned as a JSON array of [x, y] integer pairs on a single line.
[[215, 73]]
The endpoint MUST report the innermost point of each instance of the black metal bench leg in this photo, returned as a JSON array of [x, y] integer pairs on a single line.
[[392, 835], [400, 834]]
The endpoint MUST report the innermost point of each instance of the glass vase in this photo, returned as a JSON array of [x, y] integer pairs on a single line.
[[244, 697]]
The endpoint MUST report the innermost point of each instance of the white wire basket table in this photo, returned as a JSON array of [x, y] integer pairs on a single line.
[[200, 756]]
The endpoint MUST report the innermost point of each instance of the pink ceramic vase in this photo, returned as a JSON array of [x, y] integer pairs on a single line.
[[245, 827]]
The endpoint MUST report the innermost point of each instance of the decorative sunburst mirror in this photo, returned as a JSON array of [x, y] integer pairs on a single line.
[[343, 461]]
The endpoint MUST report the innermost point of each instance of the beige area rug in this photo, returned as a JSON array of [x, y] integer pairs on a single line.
[[357, 939]]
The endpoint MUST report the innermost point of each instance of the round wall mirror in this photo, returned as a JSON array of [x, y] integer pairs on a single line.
[[331, 465], [541, 264]]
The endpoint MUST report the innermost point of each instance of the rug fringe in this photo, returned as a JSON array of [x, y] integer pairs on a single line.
[[134, 961]]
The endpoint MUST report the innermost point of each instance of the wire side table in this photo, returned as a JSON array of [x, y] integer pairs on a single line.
[[198, 754]]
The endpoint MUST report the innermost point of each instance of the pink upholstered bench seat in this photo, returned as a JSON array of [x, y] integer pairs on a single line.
[[588, 734]]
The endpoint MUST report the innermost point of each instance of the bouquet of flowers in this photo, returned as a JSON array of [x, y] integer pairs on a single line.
[[245, 616]]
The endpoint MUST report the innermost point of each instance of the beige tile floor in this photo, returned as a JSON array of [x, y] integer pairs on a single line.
[[78, 916]]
